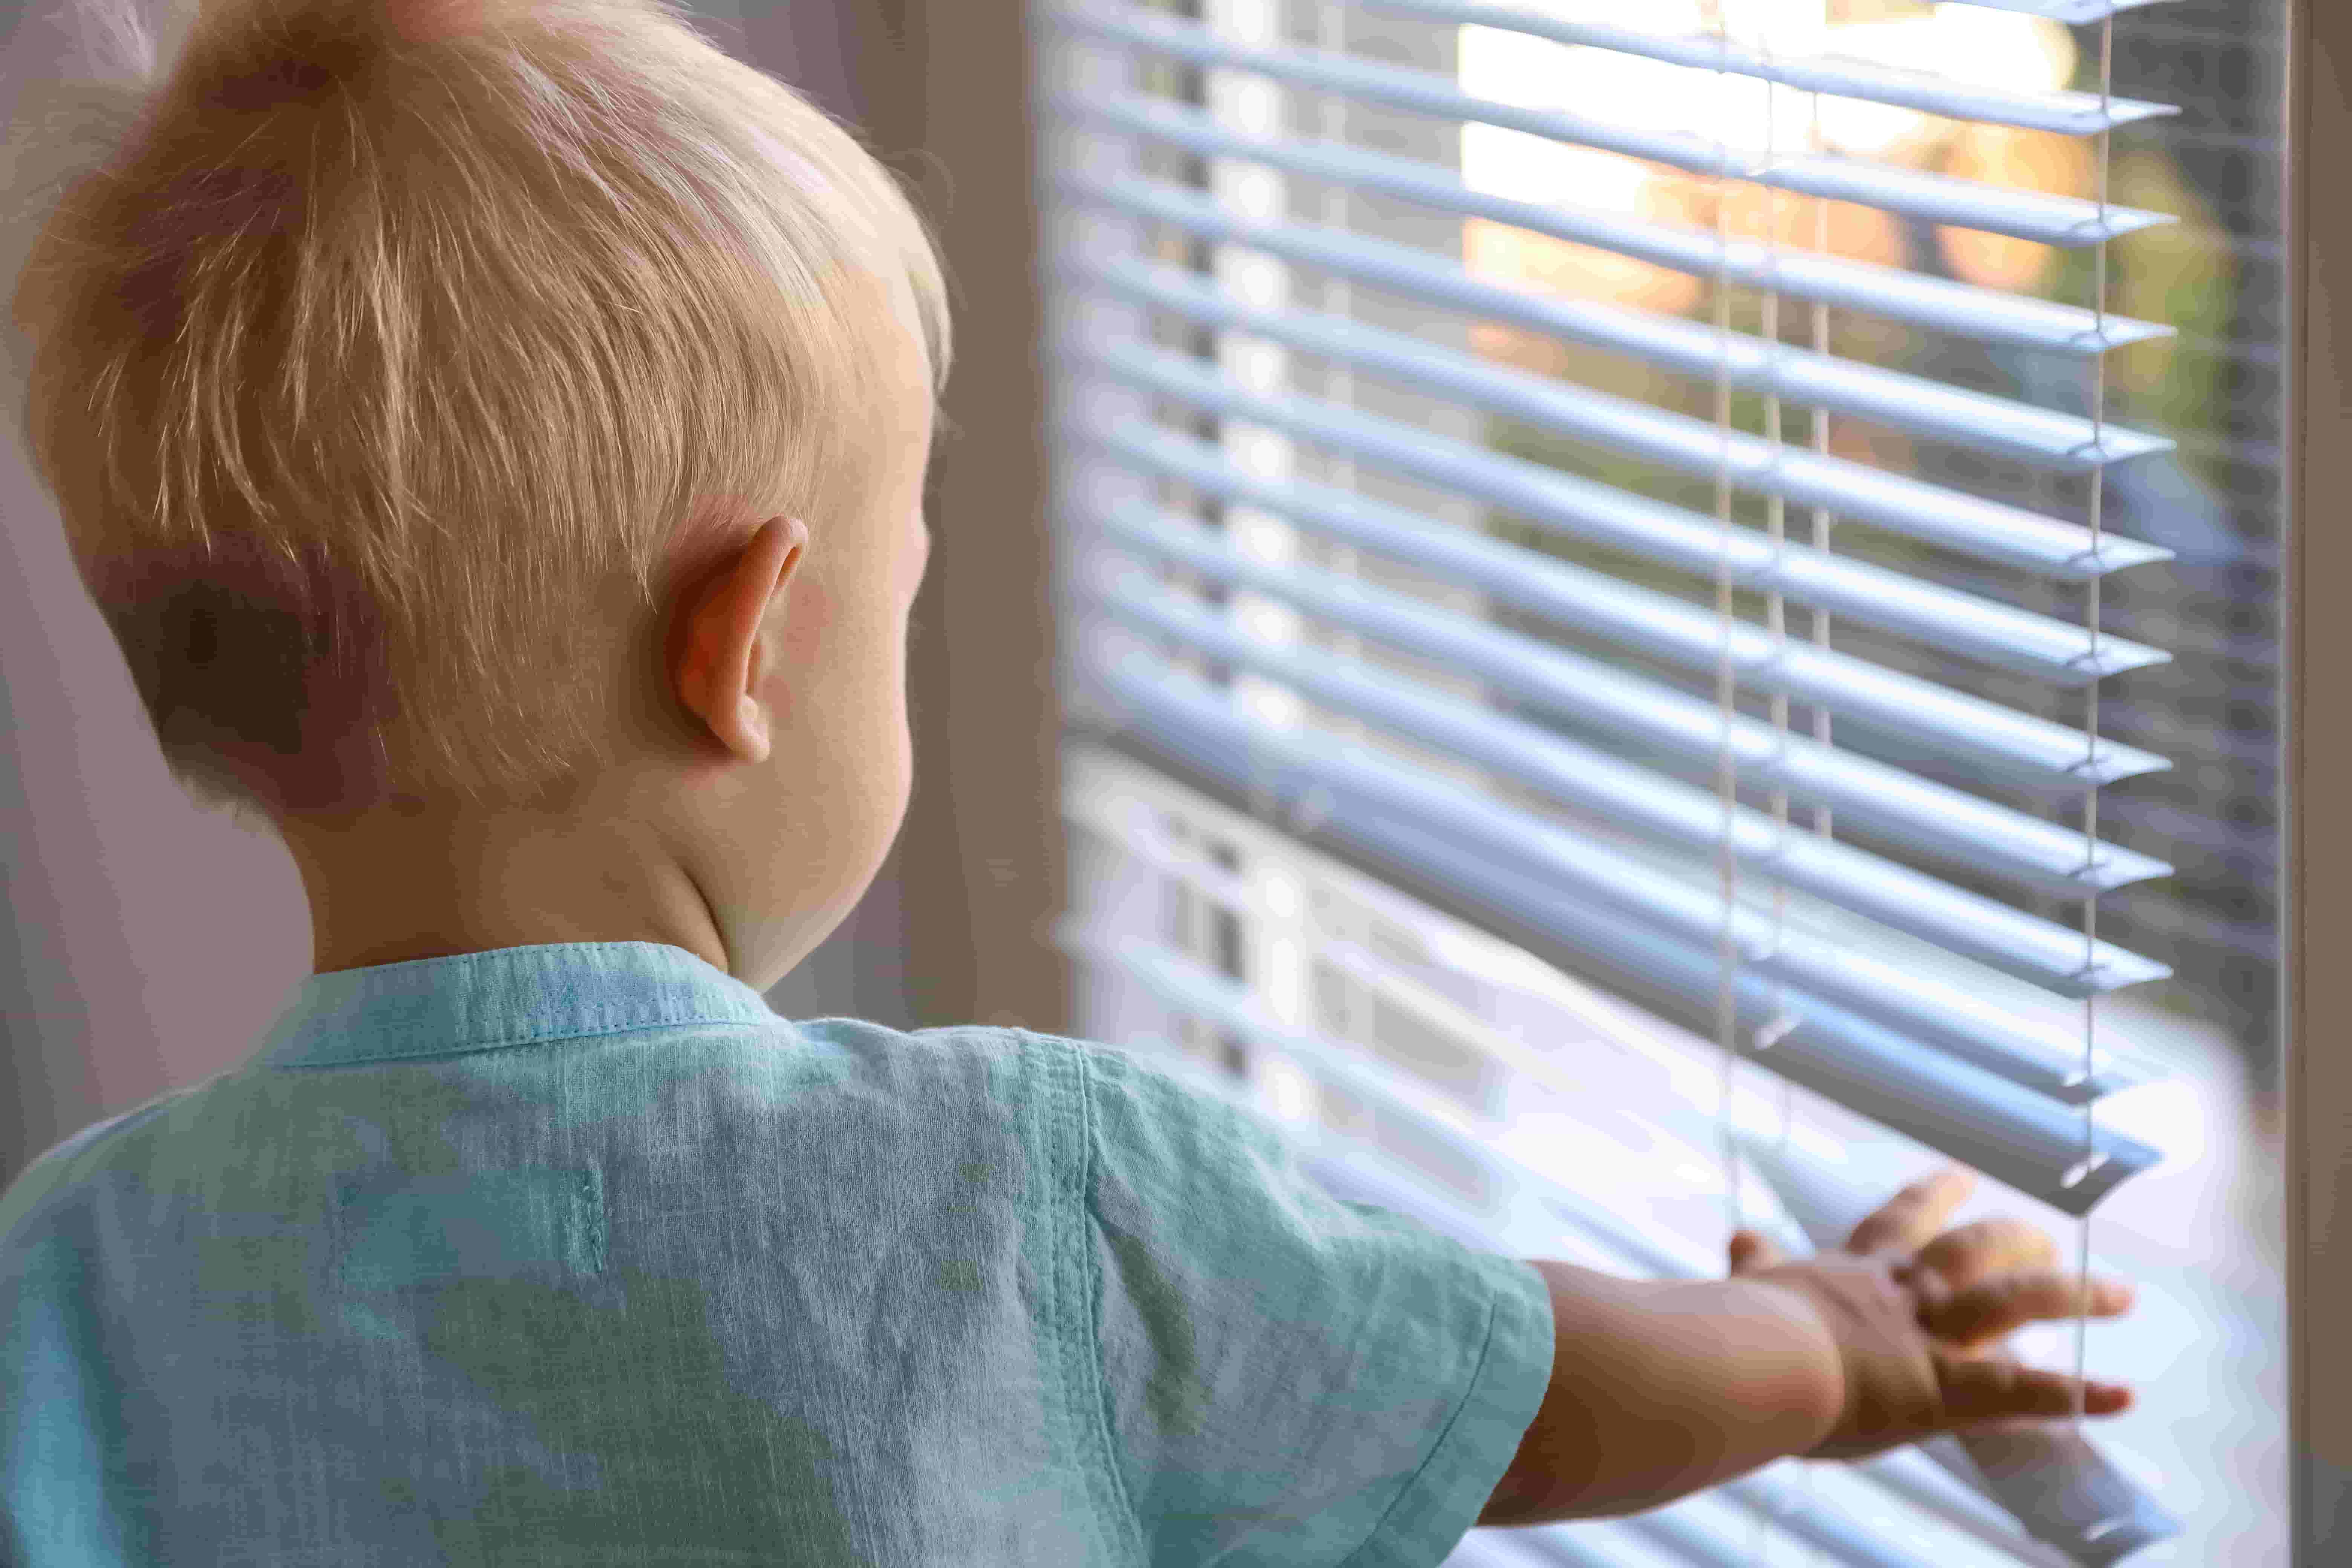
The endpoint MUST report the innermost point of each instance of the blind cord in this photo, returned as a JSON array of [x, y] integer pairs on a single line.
[[1339, 298], [2091, 693], [1818, 421], [1823, 822], [1727, 779], [1777, 1022]]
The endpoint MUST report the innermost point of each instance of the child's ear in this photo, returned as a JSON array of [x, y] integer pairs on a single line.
[[716, 658]]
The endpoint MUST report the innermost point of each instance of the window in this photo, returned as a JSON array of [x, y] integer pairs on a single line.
[[1690, 591]]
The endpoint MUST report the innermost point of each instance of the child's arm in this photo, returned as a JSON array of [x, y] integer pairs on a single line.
[[1659, 1388]]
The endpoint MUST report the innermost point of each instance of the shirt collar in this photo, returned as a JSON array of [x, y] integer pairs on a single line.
[[501, 996]]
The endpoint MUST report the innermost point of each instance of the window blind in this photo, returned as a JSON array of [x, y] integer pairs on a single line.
[[1341, 558]]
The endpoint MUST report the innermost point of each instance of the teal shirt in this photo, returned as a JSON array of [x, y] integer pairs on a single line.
[[578, 1253]]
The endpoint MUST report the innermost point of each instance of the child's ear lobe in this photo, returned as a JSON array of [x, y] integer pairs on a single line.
[[751, 730]]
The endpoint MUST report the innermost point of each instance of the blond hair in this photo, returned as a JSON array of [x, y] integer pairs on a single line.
[[393, 358]]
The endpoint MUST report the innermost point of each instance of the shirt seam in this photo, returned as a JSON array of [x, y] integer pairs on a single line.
[[1090, 1264], [541, 953], [1477, 1377], [678, 1007], [629, 1010], [514, 1042]]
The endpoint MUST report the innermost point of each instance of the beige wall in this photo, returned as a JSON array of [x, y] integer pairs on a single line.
[[949, 81], [148, 945]]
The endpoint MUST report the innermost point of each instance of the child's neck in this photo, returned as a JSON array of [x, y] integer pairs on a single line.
[[388, 889]]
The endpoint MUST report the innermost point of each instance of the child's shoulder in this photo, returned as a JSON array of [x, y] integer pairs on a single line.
[[1109, 1091], [1010, 1046], [1095, 1068], [74, 1156], [1008, 1060]]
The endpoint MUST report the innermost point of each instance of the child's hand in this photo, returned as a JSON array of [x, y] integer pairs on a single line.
[[1919, 1323]]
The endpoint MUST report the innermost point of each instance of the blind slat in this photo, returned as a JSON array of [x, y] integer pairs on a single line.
[[1970, 525], [2041, 951], [1946, 1489], [1837, 1536], [1708, 1537], [1486, 1549], [1913, 404], [1856, 493], [1996, 427], [2071, 113], [1984, 733], [1613, 908], [1901, 807], [1894, 1012], [1185, 986], [1952, 622], [1928, 198], [2076, 11], [1588, 1547], [1936, 1016], [1963, 309]]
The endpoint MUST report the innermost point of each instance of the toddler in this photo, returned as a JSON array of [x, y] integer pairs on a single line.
[[494, 431]]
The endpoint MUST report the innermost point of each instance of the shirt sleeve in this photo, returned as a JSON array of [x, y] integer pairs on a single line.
[[1290, 1378]]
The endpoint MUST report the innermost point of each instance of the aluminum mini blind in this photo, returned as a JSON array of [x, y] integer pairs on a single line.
[[1566, 659]]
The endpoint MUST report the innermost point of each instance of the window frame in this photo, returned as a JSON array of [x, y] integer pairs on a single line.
[[2317, 736]]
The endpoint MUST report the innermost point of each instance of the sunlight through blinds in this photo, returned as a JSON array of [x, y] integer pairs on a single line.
[[1435, 381]]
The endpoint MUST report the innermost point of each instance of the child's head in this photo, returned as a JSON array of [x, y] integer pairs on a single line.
[[413, 376]]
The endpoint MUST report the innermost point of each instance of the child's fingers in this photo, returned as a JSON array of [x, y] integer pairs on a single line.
[[1750, 1250], [1991, 1388], [1908, 1219], [1997, 1306], [1982, 1248]]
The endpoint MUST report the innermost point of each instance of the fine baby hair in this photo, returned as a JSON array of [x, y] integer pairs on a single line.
[[385, 358]]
